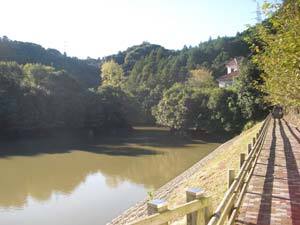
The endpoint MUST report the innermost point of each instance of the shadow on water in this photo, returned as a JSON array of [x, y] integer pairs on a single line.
[[133, 143]]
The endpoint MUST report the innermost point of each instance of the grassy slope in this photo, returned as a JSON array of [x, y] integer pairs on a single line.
[[213, 175]]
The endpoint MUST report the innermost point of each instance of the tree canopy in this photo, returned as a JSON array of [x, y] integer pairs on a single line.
[[276, 45]]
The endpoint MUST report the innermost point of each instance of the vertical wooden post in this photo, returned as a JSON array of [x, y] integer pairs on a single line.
[[200, 217], [253, 141], [257, 135], [157, 206], [242, 159], [249, 148], [231, 177]]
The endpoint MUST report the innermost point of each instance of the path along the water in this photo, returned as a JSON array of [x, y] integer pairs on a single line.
[[273, 194]]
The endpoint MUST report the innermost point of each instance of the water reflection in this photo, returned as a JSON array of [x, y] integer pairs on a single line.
[[46, 174]]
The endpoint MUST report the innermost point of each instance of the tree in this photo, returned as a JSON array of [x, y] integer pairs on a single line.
[[10, 91], [250, 98], [224, 110], [278, 54], [201, 78], [117, 106], [172, 110], [112, 74]]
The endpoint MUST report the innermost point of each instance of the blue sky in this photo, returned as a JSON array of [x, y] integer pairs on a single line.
[[97, 28]]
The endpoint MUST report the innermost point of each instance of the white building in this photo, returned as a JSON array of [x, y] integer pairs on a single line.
[[232, 72]]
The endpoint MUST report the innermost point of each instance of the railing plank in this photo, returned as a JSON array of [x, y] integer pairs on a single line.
[[171, 214]]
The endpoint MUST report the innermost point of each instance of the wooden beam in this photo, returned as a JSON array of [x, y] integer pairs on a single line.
[[242, 159], [171, 214], [157, 206], [230, 177], [249, 148], [198, 217]]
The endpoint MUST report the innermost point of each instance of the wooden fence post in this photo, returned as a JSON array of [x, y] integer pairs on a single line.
[[249, 148], [157, 206], [242, 159], [253, 141], [230, 178], [202, 216]]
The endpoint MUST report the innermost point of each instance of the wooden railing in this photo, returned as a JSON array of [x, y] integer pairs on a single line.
[[227, 210], [198, 208]]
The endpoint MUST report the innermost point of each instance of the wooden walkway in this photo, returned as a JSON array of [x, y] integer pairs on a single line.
[[273, 194]]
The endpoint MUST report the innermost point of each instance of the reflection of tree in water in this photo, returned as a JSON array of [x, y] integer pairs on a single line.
[[113, 182], [39, 176]]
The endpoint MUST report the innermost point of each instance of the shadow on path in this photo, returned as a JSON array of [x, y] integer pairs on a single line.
[[292, 132], [292, 174], [264, 213]]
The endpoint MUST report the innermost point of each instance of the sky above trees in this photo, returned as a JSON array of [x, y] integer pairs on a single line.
[[97, 28]]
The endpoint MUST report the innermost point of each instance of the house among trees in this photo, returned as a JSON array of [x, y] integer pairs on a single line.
[[232, 72]]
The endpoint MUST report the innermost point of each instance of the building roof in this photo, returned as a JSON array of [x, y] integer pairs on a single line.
[[232, 62], [229, 77]]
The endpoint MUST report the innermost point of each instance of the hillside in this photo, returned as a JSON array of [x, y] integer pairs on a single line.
[[136, 60], [146, 83], [84, 71]]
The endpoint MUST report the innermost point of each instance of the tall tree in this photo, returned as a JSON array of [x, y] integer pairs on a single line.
[[112, 74], [278, 54], [250, 98]]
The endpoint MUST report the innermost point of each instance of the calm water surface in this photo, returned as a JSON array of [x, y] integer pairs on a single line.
[[79, 181]]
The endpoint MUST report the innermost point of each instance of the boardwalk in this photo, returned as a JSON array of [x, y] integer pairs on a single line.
[[273, 194]]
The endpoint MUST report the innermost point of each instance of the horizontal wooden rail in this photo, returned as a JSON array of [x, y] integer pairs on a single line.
[[199, 204], [160, 218], [197, 209]]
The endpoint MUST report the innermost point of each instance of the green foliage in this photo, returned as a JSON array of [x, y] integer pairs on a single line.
[[224, 110], [214, 109], [277, 47], [154, 69], [250, 98], [172, 111], [201, 78], [112, 74], [150, 194], [146, 98], [249, 125], [35, 97]]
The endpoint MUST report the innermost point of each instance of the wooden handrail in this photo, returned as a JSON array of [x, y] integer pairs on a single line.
[[171, 214], [240, 183]]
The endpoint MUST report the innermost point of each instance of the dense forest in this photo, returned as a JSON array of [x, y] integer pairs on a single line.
[[43, 89]]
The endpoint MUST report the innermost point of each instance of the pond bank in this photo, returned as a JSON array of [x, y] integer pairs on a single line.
[[209, 174]]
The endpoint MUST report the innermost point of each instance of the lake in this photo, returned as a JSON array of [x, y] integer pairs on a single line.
[[75, 180]]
